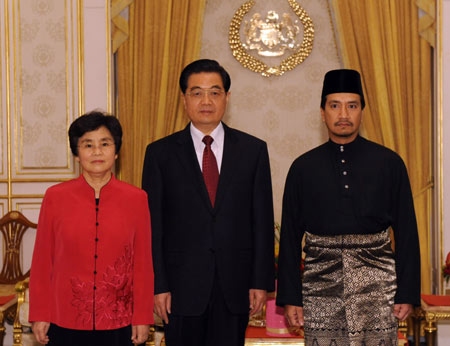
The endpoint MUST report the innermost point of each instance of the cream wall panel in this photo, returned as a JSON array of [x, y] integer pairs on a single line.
[[97, 56], [29, 207], [42, 65], [45, 84], [283, 111], [30, 188], [3, 189]]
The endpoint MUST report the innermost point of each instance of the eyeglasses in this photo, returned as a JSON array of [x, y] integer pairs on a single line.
[[200, 93], [102, 146]]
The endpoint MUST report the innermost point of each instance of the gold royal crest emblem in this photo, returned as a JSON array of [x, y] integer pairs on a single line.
[[271, 37]]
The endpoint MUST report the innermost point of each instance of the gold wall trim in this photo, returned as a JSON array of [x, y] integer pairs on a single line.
[[20, 206], [2, 136], [43, 172], [18, 126], [8, 102], [80, 50], [14, 196], [36, 180], [72, 60], [16, 43], [34, 168], [69, 47], [108, 57], [441, 148]]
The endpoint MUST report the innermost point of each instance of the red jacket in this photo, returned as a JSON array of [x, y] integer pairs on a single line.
[[92, 266]]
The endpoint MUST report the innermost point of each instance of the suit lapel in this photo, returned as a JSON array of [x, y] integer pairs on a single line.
[[188, 158], [230, 158]]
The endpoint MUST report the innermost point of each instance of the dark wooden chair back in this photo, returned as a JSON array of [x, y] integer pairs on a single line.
[[13, 226]]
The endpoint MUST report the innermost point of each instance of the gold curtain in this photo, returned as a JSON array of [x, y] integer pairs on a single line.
[[381, 39], [120, 24], [164, 36]]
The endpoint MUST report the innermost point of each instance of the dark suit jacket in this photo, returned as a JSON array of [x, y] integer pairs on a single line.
[[191, 240]]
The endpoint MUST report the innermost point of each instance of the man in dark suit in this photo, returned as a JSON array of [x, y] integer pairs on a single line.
[[210, 198]]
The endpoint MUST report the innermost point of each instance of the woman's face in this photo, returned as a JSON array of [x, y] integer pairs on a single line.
[[97, 151]]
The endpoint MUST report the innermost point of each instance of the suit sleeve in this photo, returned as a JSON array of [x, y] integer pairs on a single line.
[[407, 251], [152, 183], [263, 226], [289, 290], [143, 268], [42, 265]]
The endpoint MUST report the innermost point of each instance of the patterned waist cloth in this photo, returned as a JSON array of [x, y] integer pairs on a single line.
[[349, 285]]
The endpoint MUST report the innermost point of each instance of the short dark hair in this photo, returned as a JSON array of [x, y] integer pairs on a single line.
[[204, 65], [90, 122]]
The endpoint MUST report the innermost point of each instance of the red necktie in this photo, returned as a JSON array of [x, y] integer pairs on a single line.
[[210, 169]]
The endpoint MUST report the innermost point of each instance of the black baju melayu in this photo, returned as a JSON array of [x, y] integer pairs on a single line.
[[345, 197]]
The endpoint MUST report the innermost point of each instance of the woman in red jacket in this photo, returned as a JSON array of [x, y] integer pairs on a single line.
[[91, 275]]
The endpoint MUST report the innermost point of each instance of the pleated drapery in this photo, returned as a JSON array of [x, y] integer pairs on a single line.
[[164, 36], [392, 48]]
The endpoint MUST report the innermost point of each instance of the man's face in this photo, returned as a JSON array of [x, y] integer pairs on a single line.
[[205, 100], [342, 116]]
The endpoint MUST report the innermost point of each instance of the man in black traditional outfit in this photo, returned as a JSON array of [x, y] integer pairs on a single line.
[[344, 196]]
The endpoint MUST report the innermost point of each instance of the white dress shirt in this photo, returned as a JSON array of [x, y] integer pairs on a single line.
[[218, 135]]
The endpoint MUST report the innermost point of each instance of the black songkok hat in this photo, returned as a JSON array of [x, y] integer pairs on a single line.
[[342, 81]]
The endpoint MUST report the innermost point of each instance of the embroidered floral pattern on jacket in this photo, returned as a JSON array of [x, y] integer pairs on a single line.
[[82, 300], [114, 295]]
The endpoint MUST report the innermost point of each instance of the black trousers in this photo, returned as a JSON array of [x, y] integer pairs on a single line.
[[59, 336], [217, 326]]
